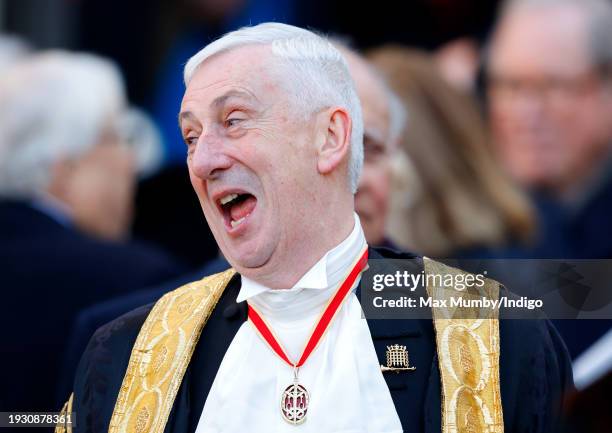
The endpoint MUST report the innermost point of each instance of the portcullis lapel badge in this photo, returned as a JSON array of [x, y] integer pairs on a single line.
[[397, 359]]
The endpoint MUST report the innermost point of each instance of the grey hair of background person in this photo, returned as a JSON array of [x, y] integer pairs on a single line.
[[398, 115], [54, 106], [313, 71], [598, 14], [12, 49]]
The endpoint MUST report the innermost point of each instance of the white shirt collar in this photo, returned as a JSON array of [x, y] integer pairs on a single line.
[[325, 273]]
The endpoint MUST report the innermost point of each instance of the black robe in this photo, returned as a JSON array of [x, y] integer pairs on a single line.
[[535, 371]]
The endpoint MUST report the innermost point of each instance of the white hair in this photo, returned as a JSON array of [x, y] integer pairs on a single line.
[[316, 77], [55, 106]]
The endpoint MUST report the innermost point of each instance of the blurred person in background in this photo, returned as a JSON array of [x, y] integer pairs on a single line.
[[550, 96], [384, 120], [449, 199], [67, 176]]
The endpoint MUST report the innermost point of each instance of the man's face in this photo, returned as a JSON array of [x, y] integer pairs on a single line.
[[250, 158], [371, 200], [550, 110]]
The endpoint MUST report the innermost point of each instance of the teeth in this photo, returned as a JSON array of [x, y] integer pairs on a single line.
[[228, 198], [235, 223]]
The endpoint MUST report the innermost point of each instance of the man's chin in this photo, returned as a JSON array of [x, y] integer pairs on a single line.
[[246, 262]]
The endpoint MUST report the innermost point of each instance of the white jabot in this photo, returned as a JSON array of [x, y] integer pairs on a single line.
[[348, 393]]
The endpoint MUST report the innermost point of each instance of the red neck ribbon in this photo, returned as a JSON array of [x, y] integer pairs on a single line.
[[324, 321]]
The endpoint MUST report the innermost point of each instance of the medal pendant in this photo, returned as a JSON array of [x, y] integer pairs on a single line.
[[295, 399], [294, 403]]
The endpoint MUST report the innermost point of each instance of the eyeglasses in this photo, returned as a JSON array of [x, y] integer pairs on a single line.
[[554, 91], [134, 128]]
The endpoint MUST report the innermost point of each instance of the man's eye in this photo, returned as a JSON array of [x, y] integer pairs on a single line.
[[190, 141], [232, 122]]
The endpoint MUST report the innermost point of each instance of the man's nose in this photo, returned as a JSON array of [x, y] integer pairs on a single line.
[[210, 157]]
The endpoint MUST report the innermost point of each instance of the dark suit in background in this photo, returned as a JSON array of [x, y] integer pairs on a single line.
[[48, 272]]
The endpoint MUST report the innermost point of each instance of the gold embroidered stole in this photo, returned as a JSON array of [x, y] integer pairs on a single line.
[[162, 353], [468, 355]]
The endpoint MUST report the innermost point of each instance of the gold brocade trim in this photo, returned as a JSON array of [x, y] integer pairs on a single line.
[[468, 356], [162, 353], [65, 427]]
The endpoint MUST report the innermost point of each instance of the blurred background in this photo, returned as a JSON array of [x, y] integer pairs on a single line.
[[497, 145]]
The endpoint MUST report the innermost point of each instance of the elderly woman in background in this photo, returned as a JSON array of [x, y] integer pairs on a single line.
[[68, 167], [449, 197], [65, 141]]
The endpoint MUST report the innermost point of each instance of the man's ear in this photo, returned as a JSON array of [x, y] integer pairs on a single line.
[[334, 139]]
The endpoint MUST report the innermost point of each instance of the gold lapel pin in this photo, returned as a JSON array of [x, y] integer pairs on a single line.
[[397, 359]]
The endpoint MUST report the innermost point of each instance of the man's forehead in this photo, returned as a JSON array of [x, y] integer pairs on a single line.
[[235, 64], [241, 73]]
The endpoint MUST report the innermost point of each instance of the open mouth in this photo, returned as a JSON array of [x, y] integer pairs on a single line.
[[236, 208]]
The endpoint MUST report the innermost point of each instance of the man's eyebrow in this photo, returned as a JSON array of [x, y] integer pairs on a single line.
[[220, 100], [185, 115]]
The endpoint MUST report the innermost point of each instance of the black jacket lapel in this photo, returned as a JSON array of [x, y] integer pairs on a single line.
[[413, 392]]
